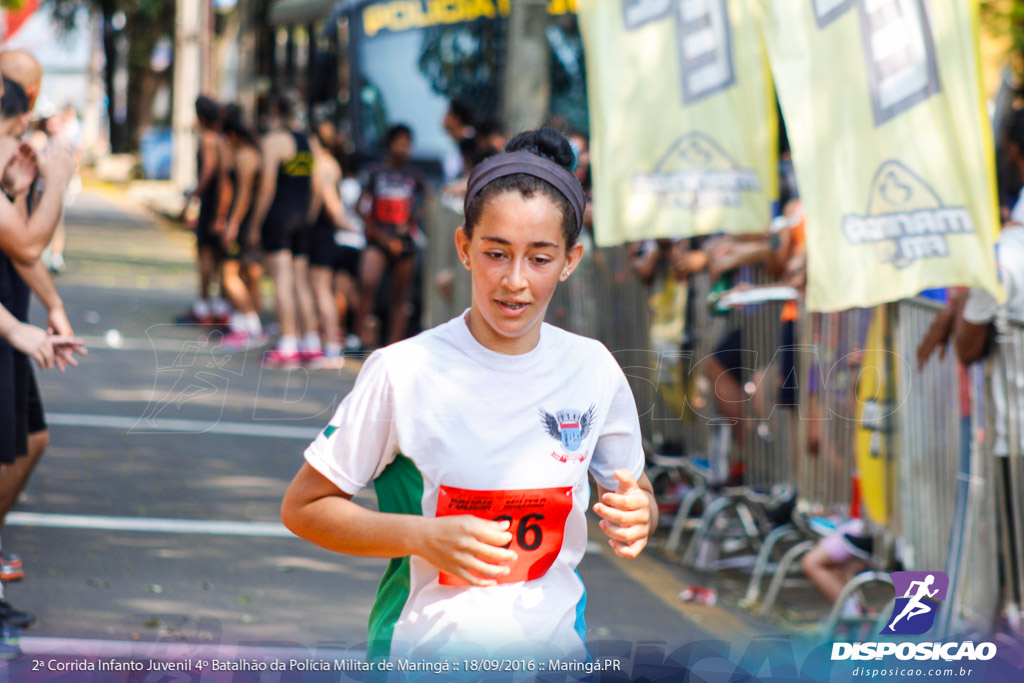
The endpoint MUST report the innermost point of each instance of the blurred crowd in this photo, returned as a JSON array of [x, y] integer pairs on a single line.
[[342, 241]]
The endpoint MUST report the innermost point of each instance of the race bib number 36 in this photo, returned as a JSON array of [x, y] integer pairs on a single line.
[[536, 518]]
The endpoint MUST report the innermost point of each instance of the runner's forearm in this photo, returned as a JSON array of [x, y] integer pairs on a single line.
[[340, 525], [38, 278]]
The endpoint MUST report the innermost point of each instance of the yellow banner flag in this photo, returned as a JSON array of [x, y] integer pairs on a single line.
[[891, 145], [682, 118]]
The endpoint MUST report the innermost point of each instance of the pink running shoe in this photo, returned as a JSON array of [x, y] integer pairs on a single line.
[[324, 362], [307, 356], [278, 359], [235, 340], [240, 340]]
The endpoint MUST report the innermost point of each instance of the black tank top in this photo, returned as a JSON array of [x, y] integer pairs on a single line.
[[294, 177], [210, 196]]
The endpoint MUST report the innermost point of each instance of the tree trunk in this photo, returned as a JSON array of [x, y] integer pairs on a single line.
[[526, 87], [116, 129]]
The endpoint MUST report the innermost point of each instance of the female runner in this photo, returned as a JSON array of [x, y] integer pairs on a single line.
[[478, 436], [241, 271]]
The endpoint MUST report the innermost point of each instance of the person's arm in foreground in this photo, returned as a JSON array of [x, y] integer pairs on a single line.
[[465, 546], [38, 278], [29, 339], [23, 240]]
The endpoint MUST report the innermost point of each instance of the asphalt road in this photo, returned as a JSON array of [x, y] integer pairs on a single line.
[[154, 514]]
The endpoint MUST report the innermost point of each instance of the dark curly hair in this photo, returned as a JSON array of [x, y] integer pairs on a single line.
[[544, 142]]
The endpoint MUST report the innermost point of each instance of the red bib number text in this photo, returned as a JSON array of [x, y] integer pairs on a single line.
[[536, 518]]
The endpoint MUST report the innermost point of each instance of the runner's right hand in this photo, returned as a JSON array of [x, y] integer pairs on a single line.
[[468, 547], [34, 343]]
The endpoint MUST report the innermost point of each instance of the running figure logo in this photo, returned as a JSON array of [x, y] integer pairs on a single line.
[[914, 612]]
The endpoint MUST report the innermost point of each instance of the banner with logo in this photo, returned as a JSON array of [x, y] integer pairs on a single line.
[[682, 117], [890, 141]]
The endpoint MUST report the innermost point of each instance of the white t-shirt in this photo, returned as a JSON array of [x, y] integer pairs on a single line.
[[439, 423], [981, 308]]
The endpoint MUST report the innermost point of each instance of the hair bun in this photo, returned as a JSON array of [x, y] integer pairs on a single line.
[[547, 143]]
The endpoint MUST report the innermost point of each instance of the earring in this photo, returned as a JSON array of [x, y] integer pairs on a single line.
[[465, 262], [565, 274]]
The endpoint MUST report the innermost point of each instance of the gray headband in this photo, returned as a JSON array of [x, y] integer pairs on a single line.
[[502, 165]]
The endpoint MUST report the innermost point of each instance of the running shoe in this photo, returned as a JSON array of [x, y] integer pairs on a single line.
[[353, 343], [15, 617], [13, 559], [199, 319], [240, 340], [279, 359], [9, 572], [307, 356], [325, 362]]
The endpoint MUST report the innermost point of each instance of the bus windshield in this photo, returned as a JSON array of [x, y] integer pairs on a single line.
[[408, 72]]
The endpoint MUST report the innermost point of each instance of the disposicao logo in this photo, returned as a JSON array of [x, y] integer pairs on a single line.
[[914, 612], [917, 603]]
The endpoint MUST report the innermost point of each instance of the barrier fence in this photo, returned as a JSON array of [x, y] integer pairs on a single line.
[[831, 406]]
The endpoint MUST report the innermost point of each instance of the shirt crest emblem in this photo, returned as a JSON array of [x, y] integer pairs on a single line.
[[569, 427]]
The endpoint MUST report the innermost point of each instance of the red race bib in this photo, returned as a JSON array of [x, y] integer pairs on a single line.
[[537, 522], [392, 211]]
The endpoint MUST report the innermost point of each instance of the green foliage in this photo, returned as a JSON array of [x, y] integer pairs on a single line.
[[1002, 19]]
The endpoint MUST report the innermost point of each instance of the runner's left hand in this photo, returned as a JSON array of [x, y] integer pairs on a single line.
[[625, 515]]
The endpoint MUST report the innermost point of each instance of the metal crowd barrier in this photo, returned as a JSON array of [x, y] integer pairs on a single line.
[[998, 424], [945, 483], [828, 359], [735, 520]]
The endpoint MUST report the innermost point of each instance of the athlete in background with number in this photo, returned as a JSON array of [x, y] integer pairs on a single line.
[[393, 195], [479, 435]]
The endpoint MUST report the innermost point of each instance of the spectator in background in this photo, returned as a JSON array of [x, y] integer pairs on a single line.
[[280, 226], [972, 319], [206, 309], [63, 128], [391, 206], [836, 559], [581, 146], [337, 247], [50, 128], [490, 137], [241, 271], [458, 123]]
